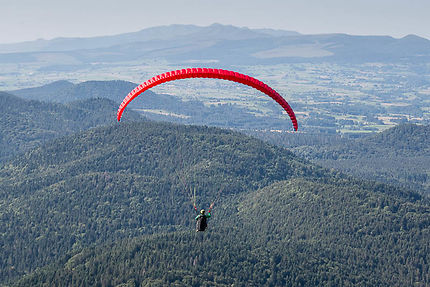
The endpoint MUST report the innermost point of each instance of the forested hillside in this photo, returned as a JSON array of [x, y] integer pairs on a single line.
[[119, 181], [26, 124], [399, 155], [112, 205], [298, 232]]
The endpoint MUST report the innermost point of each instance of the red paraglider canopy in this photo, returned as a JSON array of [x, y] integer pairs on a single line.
[[208, 73]]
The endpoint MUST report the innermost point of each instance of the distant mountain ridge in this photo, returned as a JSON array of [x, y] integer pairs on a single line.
[[214, 31], [220, 44]]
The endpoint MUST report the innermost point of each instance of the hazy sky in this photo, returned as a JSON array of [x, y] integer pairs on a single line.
[[23, 20]]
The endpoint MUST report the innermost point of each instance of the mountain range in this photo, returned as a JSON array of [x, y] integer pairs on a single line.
[[218, 45]]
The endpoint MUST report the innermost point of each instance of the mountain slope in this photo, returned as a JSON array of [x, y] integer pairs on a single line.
[[299, 232], [278, 214], [26, 124], [378, 156], [118, 181]]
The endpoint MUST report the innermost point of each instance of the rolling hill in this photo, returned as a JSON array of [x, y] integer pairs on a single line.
[[111, 206], [399, 155], [374, 157], [26, 124], [327, 235], [95, 185]]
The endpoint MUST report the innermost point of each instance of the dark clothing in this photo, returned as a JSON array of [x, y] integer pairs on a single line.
[[202, 221]]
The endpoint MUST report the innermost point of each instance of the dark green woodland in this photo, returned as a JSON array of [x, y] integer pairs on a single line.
[[111, 206]]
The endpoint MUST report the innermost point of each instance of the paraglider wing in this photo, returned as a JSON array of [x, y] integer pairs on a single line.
[[208, 73]]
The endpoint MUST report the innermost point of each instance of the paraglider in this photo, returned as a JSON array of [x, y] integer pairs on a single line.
[[202, 219], [208, 73]]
